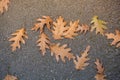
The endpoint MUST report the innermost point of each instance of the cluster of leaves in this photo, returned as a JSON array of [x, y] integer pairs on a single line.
[[60, 30]]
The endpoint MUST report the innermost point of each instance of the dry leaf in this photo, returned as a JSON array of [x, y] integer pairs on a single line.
[[72, 30], [59, 28], [99, 25], [17, 38], [41, 23], [61, 52], [100, 77], [99, 66], [4, 5], [80, 63], [10, 77], [83, 28], [43, 43], [100, 71], [115, 37]]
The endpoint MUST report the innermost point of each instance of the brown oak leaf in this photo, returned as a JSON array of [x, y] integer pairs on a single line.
[[72, 30], [10, 77], [17, 38], [42, 22], [115, 37], [4, 5], [80, 63], [43, 43], [61, 52], [100, 71], [59, 28], [83, 28], [99, 25]]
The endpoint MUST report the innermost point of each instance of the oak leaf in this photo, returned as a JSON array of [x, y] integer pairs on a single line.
[[80, 63], [17, 38], [99, 25], [10, 77], [100, 71], [42, 22], [72, 30], [59, 28], [43, 43], [4, 5], [115, 37], [83, 28], [61, 52]]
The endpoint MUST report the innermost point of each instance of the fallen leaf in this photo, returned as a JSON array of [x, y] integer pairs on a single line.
[[72, 30], [83, 28], [100, 77], [10, 77], [59, 28], [115, 37], [99, 66], [100, 71], [42, 22], [80, 63], [43, 43], [17, 38], [99, 25], [4, 5], [61, 52]]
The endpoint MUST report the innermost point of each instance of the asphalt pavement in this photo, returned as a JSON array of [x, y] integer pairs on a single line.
[[27, 63]]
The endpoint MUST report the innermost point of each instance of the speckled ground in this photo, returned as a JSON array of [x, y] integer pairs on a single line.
[[28, 64]]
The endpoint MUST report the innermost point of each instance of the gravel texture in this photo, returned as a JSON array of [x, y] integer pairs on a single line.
[[28, 64]]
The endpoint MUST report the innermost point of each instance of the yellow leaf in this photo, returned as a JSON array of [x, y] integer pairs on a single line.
[[99, 25]]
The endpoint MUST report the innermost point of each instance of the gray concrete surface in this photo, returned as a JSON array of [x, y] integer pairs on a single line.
[[28, 64]]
